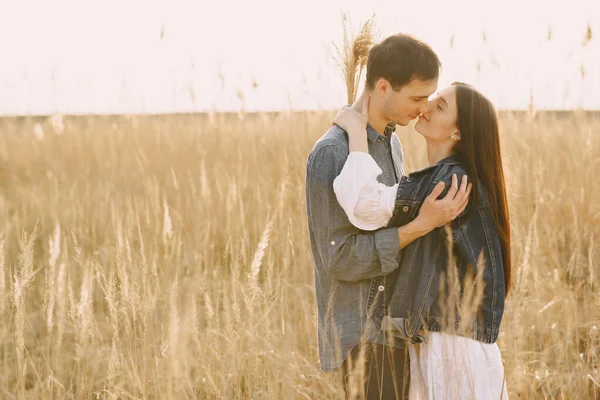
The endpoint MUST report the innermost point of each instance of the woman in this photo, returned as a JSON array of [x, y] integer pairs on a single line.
[[453, 353]]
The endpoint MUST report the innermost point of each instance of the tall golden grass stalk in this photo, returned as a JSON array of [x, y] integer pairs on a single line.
[[352, 58], [260, 252], [22, 279], [4, 297], [50, 287]]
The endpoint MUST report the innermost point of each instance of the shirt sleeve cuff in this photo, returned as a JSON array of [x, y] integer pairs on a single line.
[[387, 243]]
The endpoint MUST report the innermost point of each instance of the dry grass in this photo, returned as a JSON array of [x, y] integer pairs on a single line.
[[167, 257], [352, 57]]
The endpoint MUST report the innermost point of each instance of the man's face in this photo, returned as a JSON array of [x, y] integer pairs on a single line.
[[406, 104]]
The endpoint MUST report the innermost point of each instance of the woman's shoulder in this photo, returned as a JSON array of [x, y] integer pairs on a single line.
[[441, 171], [447, 169], [483, 195]]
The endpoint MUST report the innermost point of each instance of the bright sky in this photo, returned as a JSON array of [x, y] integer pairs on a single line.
[[108, 56]]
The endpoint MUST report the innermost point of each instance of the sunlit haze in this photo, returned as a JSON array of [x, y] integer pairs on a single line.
[[176, 56]]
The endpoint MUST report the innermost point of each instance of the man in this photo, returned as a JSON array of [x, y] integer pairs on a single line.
[[354, 269]]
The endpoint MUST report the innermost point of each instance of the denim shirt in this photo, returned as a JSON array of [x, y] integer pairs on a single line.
[[353, 269], [414, 303]]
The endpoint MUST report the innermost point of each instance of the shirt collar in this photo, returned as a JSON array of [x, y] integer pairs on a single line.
[[451, 159], [373, 135]]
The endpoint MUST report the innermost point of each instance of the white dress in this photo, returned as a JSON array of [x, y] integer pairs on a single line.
[[444, 366]]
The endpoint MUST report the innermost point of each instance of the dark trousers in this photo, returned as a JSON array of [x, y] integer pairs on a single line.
[[375, 371]]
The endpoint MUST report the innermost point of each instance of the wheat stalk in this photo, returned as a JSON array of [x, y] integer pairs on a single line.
[[352, 58], [3, 284], [21, 281], [50, 292], [260, 252]]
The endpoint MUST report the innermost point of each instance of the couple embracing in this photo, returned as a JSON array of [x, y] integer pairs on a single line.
[[411, 271]]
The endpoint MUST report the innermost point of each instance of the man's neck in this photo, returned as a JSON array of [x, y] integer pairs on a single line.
[[375, 118]]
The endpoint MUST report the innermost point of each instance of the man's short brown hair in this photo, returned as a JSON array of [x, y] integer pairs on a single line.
[[399, 59]]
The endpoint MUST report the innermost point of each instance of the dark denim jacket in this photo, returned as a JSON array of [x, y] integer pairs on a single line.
[[412, 304]]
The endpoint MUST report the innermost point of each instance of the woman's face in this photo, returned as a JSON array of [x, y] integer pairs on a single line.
[[438, 122]]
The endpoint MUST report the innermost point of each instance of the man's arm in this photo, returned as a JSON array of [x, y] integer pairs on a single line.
[[412, 231], [348, 253]]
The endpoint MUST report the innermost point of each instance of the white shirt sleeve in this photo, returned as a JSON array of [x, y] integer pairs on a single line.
[[368, 204]]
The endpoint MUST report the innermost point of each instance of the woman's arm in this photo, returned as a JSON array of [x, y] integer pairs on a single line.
[[354, 121], [369, 204]]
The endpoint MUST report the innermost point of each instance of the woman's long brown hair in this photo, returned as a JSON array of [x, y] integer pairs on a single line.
[[479, 152]]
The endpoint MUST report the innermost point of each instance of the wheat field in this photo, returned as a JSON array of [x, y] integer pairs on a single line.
[[167, 257]]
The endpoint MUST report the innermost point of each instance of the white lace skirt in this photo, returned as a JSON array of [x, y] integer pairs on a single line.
[[455, 367]]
